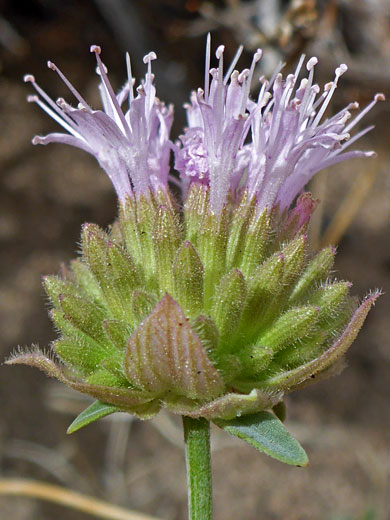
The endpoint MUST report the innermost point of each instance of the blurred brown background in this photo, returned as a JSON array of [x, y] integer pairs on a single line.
[[47, 193]]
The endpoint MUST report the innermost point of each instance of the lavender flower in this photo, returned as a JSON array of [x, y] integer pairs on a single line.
[[132, 146], [288, 143]]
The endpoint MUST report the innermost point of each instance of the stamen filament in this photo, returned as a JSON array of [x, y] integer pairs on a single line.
[[76, 94], [95, 49]]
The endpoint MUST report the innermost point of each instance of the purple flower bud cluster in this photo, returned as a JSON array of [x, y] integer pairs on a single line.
[[271, 146]]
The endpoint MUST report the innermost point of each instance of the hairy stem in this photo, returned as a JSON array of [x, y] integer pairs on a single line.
[[198, 461]]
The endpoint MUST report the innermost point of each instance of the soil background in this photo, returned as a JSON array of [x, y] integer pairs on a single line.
[[47, 193]]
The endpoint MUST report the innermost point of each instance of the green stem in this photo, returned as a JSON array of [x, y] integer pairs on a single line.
[[198, 461]]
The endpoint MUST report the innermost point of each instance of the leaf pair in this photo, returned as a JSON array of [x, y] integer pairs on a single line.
[[264, 431]]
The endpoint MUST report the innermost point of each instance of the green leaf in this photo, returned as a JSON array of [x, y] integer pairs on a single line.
[[265, 432], [96, 411]]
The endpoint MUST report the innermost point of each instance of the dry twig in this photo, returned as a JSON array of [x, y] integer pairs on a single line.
[[66, 497]]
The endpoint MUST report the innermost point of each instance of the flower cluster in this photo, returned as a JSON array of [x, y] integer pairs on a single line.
[[212, 307], [132, 147]]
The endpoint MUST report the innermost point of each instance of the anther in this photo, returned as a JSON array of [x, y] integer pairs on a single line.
[[243, 75], [96, 49], [149, 57], [257, 55], [311, 63], [219, 52], [341, 69], [29, 78]]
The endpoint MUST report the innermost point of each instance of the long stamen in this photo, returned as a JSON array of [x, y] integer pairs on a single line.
[[294, 78], [220, 89], [320, 100], [247, 85], [129, 79], [96, 49], [207, 68], [54, 115], [279, 67], [310, 67], [377, 97], [299, 66], [314, 91], [76, 94], [355, 138], [233, 64], [149, 79], [276, 119], [338, 73], [29, 78]]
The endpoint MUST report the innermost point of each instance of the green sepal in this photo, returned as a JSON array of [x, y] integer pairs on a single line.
[[211, 247], [95, 411], [256, 243], [291, 379], [329, 298], [166, 241], [300, 352], [113, 268], [273, 283], [188, 279], [291, 327], [109, 376], [196, 206], [142, 304], [56, 287], [263, 287], [237, 240], [84, 316], [136, 218], [117, 332], [74, 334], [83, 345], [228, 302], [265, 432], [74, 355], [86, 281], [316, 272], [254, 360], [294, 254], [207, 331]]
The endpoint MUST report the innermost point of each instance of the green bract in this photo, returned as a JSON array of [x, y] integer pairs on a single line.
[[209, 315]]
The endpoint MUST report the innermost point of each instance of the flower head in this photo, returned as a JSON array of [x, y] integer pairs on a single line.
[[215, 309], [272, 146], [131, 146]]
